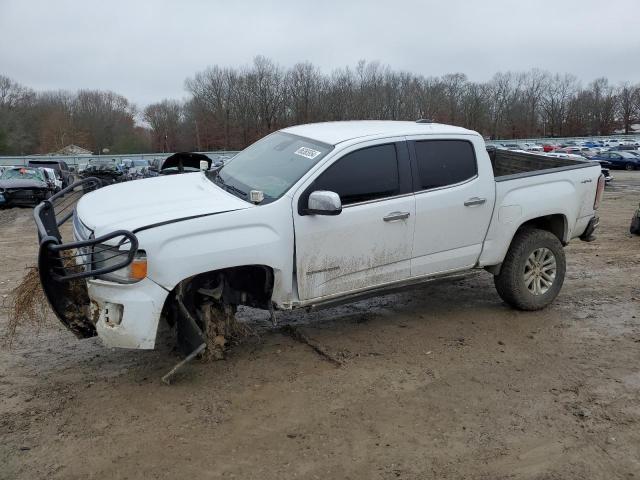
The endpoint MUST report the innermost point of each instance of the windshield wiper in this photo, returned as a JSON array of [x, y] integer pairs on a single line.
[[229, 188], [235, 189]]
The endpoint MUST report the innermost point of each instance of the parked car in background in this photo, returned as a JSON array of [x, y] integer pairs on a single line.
[[532, 147], [24, 186], [495, 145], [105, 169], [155, 165], [125, 164], [593, 144], [571, 156], [60, 166], [512, 146], [135, 169], [624, 148], [604, 165], [578, 150], [626, 160], [53, 178], [550, 147], [128, 163]]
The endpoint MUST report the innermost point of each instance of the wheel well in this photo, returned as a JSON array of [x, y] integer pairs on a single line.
[[190, 304], [556, 224], [250, 285]]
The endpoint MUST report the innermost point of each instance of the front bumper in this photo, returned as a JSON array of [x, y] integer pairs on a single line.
[[64, 267], [126, 315], [26, 197]]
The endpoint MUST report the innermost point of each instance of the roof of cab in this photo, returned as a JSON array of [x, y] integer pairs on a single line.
[[337, 132]]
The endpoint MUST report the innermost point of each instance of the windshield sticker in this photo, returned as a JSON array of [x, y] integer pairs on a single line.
[[307, 152]]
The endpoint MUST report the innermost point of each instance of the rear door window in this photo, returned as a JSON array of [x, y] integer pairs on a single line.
[[444, 162], [367, 174]]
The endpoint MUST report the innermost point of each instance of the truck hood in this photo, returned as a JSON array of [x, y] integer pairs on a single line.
[[149, 201]]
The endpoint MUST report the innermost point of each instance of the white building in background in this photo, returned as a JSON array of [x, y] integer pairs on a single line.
[[74, 150]]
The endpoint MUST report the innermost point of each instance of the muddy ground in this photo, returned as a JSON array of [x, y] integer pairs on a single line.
[[444, 381]]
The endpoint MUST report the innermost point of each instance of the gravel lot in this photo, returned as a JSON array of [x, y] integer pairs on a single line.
[[444, 381]]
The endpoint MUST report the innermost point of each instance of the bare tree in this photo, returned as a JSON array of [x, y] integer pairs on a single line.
[[555, 102], [303, 84], [165, 119], [629, 105]]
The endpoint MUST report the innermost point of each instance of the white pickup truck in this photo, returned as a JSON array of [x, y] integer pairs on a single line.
[[310, 216]]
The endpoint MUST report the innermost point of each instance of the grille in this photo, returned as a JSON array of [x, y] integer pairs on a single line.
[[22, 194]]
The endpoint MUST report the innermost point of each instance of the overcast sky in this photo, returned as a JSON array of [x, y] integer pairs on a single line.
[[145, 49]]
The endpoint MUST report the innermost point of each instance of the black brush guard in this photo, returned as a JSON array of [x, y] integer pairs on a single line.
[[63, 266]]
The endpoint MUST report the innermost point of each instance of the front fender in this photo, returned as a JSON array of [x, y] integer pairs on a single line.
[[255, 236]]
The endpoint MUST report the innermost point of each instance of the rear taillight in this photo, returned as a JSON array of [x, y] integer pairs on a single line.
[[599, 190]]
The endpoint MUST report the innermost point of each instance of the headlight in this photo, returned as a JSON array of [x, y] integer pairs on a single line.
[[105, 256]]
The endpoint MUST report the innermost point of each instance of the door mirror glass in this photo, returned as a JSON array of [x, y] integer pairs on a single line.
[[323, 202]]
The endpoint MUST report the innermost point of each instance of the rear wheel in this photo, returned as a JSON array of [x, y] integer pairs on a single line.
[[629, 166], [533, 270]]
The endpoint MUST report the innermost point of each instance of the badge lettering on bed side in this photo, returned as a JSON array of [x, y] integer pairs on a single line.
[[307, 152]]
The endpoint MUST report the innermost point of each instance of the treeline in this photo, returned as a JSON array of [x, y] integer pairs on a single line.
[[228, 108], [44, 122]]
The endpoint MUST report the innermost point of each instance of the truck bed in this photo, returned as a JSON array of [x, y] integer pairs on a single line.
[[508, 164]]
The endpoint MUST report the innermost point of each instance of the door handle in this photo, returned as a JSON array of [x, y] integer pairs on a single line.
[[395, 216], [472, 202]]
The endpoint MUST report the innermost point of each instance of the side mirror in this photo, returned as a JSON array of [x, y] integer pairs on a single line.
[[204, 165], [323, 202]]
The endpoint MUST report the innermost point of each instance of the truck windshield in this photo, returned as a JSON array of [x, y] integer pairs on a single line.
[[272, 165]]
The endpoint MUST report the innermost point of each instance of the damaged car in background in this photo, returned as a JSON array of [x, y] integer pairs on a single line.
[[53, 178], [106, 170], [135, 169], [185, 162], [62, 169], [309, 217], [24, 186]]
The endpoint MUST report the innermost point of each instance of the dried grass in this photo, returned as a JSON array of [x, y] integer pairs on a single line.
[[221, 330], [26, 304]]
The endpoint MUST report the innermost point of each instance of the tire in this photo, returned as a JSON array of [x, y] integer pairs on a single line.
[[519, 284], [629, 166]]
